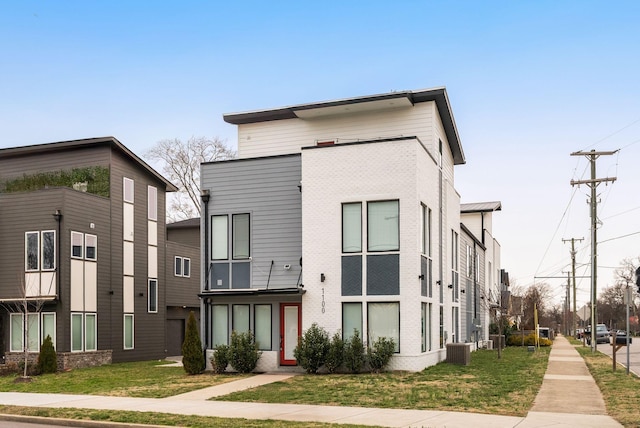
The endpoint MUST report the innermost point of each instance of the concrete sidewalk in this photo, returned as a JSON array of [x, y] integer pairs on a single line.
[[568, 397]]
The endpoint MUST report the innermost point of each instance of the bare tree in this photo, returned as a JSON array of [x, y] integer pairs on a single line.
[[26, 305], [537, 296], [180, 163]]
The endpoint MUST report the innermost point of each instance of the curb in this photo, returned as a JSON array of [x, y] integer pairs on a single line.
[[73, 422]]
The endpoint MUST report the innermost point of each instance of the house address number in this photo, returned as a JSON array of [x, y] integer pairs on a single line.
[[323, 303]]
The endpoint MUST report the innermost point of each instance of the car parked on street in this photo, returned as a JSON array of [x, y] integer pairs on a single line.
[[602, 334]]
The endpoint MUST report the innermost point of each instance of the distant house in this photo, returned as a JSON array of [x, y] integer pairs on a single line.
[[82, 238], [342, 213], [183, 280]]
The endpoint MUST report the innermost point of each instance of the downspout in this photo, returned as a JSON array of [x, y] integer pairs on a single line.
[[205, 266], [58, 216]]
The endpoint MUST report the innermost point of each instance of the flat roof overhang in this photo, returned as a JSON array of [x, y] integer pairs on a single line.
[[292, 291]]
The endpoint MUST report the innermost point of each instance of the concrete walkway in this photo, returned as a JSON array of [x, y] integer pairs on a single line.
[[568, 398]]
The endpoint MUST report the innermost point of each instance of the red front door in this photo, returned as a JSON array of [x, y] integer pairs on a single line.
[[290, 328]]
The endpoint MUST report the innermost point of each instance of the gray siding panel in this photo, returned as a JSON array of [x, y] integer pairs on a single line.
[[267, 188]]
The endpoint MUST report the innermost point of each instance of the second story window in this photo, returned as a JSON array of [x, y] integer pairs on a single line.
[[40, 250], [239, 234], [383, 226], [352, 227], [182, 267]]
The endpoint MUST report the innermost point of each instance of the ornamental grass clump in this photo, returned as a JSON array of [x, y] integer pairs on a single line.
[[312, 349]]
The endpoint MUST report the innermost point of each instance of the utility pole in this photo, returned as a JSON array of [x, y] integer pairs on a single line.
[[593, 183], [573, 272]]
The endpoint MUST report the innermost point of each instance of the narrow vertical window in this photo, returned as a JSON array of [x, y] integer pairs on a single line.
[[33, 332], [262, 326], [178, 266], [127, 194], [152, 201], [17, 333], [219, 237], [220, 315], [90, 336], [425, 327], [128, 331], [77, 245], [240, 236], [32, 251], [351, 319], [153, 295], [91, 247], [441, 327], [383, 226], [186, 267], [352, 227], [48, 250], [49, 327], [76, 332]]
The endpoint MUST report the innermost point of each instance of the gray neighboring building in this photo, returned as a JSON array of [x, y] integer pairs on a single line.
[[183, 280], [82, 236]]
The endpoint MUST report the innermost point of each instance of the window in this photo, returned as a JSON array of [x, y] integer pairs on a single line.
[[240, 318], [186, 267], [153, 296], [219, 237], [469, 262], [426, 260], [352, 227], [240, 236], [128, 331], [441, 327], [383, 226], [76, 332], [77, 245], [455, 286], [178, 266], [262, 326], [127, 195], [32, 253], [49, 327], [91, 247], [426, 327], [90, 336], [17, 332], [182, 266], [48, 250], [455, 324], [426, 230], [152, 200], [351, 319], [383, 320], [220, 315]]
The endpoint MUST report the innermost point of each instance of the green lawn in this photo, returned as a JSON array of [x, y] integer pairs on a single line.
[[139, 379], [507, 386]]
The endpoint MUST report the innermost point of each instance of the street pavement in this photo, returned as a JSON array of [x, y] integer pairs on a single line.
[[621, 354], [569, 397]]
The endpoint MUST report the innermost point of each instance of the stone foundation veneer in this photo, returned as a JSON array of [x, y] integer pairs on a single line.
[[66, 360]]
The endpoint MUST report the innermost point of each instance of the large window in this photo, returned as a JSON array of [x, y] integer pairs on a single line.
[[220, 315], [152, 293], [219, 237], [84, 332], [262, 326], [383, 320], [352, 228], [426, 262], [18, 333], [351, 319], [77, 323], [383, 226], [90, 332], [40, 250]]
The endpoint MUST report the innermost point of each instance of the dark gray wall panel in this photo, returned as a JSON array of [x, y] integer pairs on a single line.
[[383, 274], [352, 275]]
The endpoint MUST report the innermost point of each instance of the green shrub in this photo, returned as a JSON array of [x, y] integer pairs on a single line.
[[47, 359], [335, 355], [243, 352], [312, 349], [529, 340], [379, 353], [220, 359], [354, 353], [192, 355]]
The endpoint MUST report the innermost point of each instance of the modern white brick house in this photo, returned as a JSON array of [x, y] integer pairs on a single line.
[[342, 213]]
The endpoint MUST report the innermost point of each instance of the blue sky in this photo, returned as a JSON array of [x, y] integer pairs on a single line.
[[529, 83]]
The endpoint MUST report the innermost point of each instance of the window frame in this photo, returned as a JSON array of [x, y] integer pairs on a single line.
[[125, 346], [177, 264], [81, 246], [27, 253], [76, 316], [344, 206], [257, 335], [225, 247], [233, 317], [42, 332], [234, 233], [348, 335], [42, 252], [87, 237], [95, 332], [370, 338], [128, 182], [152, 298], [186, 267], [225, 327], [372, 227], [152, 203]]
